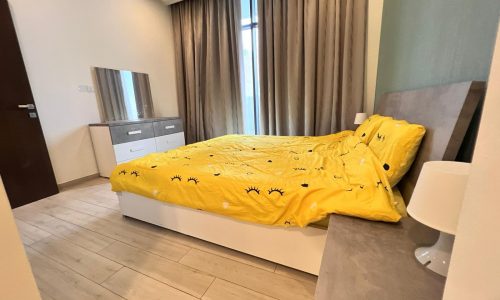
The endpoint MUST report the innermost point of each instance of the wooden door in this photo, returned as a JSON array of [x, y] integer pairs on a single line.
[[24, 160]]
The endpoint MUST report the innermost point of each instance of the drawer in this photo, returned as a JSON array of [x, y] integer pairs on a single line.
[[168, 142], [167, 127], [132, 150], [131, 132]]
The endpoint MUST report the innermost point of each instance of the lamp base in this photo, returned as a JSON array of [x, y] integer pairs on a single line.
[[437, 257]]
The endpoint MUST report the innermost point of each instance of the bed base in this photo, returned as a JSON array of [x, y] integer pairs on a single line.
[[298, 248]]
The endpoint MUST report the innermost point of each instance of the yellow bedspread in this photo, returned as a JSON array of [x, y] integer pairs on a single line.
[[285, 181]]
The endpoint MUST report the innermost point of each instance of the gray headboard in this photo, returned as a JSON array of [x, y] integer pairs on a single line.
[[445, 111]]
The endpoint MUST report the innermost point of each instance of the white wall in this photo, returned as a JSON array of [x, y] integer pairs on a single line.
[[374, 28], [475, 264], [16, 278], [62, 39]]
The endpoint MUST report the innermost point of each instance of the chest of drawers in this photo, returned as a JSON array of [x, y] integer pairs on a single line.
[[121, 141]]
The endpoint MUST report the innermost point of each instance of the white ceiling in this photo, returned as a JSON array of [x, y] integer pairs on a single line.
[[168, 2]]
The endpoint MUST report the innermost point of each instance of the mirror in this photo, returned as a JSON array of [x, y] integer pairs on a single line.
[[124, 95]]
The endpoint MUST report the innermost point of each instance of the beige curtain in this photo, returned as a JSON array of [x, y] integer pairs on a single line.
[[311, 56], [111, 94], [143, 97], [207, 41]]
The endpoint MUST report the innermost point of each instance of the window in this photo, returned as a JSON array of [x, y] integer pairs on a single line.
[[249, 34], [129, 94]]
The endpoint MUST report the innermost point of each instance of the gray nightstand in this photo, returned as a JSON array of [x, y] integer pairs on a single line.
[[375, 260]]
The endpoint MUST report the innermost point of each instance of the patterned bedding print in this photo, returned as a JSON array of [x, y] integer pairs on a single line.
[[283, 181]]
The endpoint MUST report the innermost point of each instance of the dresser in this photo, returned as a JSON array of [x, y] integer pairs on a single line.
[[117, 142]]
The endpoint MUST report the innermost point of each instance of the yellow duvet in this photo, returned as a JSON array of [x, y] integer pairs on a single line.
[[284, 181]]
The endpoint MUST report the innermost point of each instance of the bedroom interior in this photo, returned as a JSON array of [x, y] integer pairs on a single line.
[[249, 149]]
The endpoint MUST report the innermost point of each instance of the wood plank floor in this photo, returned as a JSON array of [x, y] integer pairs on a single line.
[[81, 247]]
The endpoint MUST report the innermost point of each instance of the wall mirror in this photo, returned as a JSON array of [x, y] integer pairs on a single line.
[[123, 95]]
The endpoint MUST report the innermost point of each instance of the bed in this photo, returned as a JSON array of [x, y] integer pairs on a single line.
[[446, 112]]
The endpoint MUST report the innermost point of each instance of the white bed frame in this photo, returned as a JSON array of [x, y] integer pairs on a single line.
[[298, 248]]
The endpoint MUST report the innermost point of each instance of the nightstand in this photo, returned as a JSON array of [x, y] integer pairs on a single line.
[[374, 260]]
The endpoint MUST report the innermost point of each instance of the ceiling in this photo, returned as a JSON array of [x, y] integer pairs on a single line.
[[168, 2]]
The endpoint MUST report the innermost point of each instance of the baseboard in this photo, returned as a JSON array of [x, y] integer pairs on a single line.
[[70, 183]]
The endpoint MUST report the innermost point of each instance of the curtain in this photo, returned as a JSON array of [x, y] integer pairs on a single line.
[[311, 63], [111, 94], [143, 97], [207, 42]]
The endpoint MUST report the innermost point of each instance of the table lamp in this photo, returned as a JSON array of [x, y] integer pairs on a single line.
[[360, 118], [436, 202]]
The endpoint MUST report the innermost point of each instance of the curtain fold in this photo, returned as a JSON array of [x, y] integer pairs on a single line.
[[207, 41], [111, 93], [143, 96], [311, 63]]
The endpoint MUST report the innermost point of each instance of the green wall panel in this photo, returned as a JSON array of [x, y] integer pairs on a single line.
[[431, 42]]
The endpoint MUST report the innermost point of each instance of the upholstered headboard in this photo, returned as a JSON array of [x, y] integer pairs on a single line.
[[446, 112]]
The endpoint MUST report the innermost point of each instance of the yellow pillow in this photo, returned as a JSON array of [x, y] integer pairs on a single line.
[[399, 202], [366, 131], [396, 144]]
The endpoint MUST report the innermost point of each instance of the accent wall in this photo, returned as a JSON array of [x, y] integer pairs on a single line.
[[428, 42]]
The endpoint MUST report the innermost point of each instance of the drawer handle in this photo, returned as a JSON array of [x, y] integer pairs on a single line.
[[136, 150], [134, 132], [170, 127]]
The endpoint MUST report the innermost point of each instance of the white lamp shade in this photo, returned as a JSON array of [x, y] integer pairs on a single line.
[[437, 198], [360, 118]]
